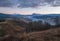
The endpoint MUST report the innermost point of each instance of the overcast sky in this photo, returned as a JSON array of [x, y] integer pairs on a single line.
[[30, 6]]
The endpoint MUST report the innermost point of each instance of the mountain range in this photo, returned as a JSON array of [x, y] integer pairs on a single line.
[[35, 27], [49, 18]]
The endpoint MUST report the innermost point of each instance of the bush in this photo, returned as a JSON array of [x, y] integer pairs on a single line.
[[37, 26], [2, 32]]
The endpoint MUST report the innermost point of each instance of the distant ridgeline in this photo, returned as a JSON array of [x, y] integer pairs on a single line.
[[52, 19]]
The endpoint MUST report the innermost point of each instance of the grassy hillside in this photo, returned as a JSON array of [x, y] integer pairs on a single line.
[[47, 35], [11, 30]]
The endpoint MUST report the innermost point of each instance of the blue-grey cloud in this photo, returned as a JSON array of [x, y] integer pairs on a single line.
[[28, 3], [5, 3]]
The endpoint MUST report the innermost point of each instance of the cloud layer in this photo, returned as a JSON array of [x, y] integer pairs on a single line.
[[28, 3]]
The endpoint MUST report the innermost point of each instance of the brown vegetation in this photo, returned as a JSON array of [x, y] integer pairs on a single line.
[[11, 30], [47, 35]]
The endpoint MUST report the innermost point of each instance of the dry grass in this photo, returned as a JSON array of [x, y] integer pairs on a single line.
[[48, 35], [9, 31], [12, 32]]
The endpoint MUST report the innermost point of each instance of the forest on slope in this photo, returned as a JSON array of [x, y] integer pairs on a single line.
[[19, 30]]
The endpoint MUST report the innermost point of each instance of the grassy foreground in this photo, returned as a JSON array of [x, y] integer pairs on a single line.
[[9, 31]]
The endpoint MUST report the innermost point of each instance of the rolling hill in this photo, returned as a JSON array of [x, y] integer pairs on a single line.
[[47, 35], [21, 28]]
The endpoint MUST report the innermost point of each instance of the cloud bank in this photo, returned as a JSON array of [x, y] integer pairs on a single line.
[[28, 3]]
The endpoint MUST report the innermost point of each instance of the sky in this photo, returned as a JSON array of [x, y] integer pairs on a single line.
[[30, 6]]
